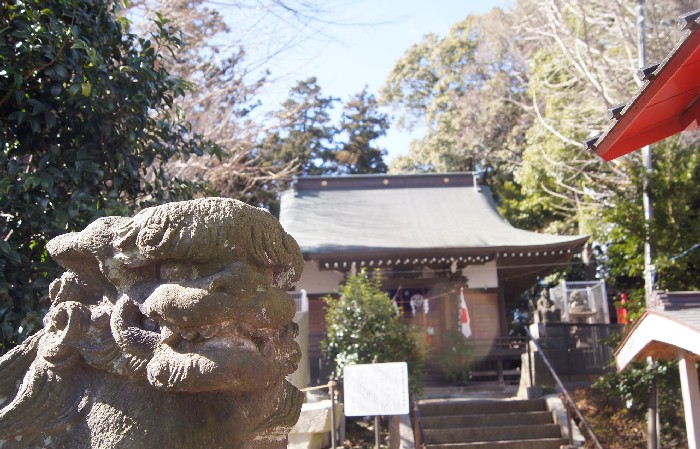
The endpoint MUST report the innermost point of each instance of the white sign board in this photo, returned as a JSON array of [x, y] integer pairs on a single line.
[[376, 389]]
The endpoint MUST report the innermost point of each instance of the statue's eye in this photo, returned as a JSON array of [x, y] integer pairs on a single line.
[[176, 271]]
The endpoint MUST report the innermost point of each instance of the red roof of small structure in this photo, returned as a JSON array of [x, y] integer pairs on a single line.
[[670, 324], [667, 103]]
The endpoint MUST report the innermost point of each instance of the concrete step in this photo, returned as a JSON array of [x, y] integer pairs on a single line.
[[542, 443], [481, 391], [503, 433], [480, 407], [489, 424], [488, 420]]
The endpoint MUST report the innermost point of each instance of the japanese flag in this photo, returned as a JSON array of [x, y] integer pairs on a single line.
[[464, 321]]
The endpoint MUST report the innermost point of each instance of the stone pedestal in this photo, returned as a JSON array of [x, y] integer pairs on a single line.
[[312, 431]]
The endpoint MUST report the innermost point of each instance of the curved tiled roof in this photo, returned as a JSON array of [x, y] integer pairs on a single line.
[[400, 214]]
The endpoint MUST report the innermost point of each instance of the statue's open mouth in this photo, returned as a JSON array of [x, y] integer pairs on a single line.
[[224, 335], [229, 352], [217, 332]]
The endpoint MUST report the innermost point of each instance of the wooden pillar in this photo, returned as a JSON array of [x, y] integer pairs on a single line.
[[395, 432], [691, 397], [503, 320], [653, 425]]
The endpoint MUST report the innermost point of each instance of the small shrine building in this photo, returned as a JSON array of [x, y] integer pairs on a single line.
[[430, 235]]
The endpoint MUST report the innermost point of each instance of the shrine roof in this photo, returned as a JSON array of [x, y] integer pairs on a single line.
[[666, 103], [386, 215], [660, 334]]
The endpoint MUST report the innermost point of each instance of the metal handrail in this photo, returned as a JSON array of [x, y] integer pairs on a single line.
[[420, 440], [565, 392]]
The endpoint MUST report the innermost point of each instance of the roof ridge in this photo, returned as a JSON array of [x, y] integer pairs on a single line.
[[384, 181]]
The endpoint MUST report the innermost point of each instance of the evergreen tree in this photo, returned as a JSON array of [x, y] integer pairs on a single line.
[[364, 327], [304, 133], [86, 126], [362, 123], [466, 91]]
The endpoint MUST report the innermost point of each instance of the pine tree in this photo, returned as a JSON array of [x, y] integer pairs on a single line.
[[362, 123]]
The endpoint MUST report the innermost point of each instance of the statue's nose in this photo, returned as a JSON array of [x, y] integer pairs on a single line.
[[272, 309], [238, 280], [231, 284]]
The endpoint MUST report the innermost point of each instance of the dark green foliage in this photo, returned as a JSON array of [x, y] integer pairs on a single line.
[[520, 210], [632, 385], [456, 358], [305, 137], [86, 124], [465, 89], [362, 123], [304, 133], [675, 189], [618, 427], [630, 389], [364, 327]]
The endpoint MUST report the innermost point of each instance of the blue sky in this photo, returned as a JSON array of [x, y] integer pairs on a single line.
[[359, 44]]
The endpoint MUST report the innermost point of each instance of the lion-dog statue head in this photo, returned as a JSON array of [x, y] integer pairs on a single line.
[[171, 329]]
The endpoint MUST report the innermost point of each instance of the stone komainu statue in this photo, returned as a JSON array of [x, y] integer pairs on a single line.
[[171, 329]]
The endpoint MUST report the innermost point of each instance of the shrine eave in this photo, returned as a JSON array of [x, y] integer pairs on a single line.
[[506, 257], [668, 102]]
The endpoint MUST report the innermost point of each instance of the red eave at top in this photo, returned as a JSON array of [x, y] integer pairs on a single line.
[[668, 102]]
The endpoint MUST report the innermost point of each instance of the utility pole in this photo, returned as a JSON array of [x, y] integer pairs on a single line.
[[653, 427], [649, 269]]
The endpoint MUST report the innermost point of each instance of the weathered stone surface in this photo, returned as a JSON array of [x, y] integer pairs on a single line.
[[314, 425], [171, 329]]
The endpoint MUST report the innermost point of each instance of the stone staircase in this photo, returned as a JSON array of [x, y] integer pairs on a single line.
[[490, 424]]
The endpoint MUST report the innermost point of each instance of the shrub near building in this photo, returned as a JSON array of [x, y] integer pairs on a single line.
[[364, 327]]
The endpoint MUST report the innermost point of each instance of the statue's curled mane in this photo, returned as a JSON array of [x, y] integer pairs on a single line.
[[182, 306]]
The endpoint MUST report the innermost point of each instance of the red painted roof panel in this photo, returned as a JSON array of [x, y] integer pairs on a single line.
[[665, 105]]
